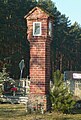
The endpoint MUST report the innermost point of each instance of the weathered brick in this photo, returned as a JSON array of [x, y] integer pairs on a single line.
[[39, 55]]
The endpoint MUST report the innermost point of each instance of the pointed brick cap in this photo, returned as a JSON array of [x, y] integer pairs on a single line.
[[41, 9]]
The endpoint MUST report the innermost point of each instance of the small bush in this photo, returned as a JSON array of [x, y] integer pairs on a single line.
[[60, 98]]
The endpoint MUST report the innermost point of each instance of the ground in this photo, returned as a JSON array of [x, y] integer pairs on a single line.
[[17, 112]]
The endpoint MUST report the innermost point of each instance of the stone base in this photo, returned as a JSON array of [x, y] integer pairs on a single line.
[[38, 100]]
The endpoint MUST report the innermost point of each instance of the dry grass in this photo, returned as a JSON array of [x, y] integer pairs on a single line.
[[17, 112]]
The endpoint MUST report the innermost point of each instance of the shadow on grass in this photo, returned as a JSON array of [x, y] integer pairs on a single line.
[[17, 112]]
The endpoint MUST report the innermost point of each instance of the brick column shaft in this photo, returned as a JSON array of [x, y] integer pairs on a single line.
[[39, 57]]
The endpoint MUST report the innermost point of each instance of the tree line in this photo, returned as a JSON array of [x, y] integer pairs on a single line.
[[65, 47]]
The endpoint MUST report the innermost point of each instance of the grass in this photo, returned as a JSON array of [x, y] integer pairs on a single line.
[[17, 112]]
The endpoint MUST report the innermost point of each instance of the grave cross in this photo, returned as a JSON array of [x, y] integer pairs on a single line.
[[21, 66]]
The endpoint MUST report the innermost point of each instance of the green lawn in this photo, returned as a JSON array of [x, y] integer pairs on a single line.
[[17, 112]]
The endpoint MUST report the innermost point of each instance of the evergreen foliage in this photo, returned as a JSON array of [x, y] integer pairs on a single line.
[[3, 75], [5, 81], [60, 98], [65, 47], [13, 41]]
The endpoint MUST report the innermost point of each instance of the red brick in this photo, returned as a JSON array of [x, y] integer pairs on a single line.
[[39, 53]]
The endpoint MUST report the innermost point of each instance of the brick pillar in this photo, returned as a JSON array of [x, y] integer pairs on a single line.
[[39, 57], [40, 70]]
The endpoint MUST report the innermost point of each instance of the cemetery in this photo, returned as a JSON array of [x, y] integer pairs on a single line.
[[39, 63], [14, 91], [34, 91], [44, 93]]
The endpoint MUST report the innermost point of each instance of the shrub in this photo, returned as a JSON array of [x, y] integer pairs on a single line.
[[60, 98], [5, 82]]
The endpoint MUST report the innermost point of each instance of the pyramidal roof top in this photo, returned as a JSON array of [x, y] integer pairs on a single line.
[[37, 7]]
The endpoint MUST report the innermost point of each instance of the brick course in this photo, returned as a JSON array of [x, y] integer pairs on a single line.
[[39, 55]]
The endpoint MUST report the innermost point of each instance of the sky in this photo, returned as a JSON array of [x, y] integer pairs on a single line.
[[71, 8]]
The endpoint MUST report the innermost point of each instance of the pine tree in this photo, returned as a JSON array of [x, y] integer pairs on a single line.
[[3, 75], [60, 98]]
